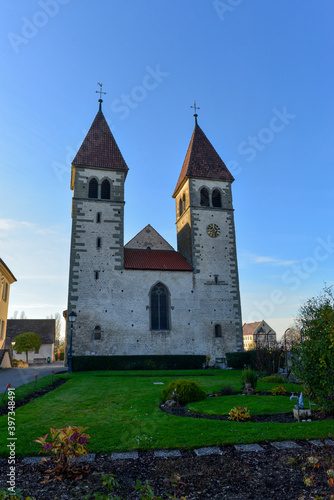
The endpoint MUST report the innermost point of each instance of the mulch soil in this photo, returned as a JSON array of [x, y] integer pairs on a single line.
[[269, 474], [283, 418]]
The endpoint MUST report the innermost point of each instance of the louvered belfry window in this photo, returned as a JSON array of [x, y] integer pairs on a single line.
[[93, 188], [105, 190], [159, 308], [216, 198], [205, 198]]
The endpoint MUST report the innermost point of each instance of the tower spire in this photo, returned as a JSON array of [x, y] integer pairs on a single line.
[[100, 92], [195, 108]]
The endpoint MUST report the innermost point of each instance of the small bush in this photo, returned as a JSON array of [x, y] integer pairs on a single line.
[[67, 445], [227, 390], [277, 379], [187, 390], [239, 414], [249, 376], [280, 390]]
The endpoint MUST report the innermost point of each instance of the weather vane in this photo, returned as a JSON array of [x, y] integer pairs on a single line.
[[100, 92]]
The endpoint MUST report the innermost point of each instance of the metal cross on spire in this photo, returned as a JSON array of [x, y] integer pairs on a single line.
[[195, 107], [100, 92]]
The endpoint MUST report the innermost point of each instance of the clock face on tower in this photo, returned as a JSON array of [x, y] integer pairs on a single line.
[[213, 230]]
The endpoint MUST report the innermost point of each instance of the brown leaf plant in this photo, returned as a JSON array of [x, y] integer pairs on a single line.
[[67, 445]]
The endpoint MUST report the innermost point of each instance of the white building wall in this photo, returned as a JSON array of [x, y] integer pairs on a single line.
[[45, 351]]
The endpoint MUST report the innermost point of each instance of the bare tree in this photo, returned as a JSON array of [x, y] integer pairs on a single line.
[[57, 318], [291, 337]]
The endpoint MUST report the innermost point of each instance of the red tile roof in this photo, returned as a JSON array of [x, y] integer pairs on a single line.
[[249, 328], [99, 148], [155, 260], [202, 160]]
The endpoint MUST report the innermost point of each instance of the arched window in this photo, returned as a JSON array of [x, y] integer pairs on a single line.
[[159, 307], [205, 198], [216, 198], [105, 190], [97, 332], [218, 331], [92, 188], [180, 207]]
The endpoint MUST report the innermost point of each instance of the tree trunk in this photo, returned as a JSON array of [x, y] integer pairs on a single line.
[[27, 356]]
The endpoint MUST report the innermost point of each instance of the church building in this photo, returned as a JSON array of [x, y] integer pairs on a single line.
[[144, 297]]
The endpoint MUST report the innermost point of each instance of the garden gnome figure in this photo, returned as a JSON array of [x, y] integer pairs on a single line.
[[300, 402]]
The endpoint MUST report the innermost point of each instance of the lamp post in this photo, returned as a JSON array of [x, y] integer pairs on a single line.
[[71, 318], [285, 349]]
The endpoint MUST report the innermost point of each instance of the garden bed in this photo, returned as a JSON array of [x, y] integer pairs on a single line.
[[232, 475], [284, 418]]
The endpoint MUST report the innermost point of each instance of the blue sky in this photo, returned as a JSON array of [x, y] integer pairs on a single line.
[[262, 74]]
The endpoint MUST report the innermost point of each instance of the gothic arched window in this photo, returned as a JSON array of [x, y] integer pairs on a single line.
[[105, 190], [205, 198], [92, 188], [218, 331], [216, 198], [159, 307]]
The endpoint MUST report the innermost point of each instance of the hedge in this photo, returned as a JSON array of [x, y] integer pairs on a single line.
[[238, 360], [167, 362]]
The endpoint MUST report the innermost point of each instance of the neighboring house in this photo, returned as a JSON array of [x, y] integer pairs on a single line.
[[258, 334], [144, 297], [6, 279], [45, 328]]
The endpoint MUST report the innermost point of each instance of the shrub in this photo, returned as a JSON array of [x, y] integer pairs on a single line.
[[269, 359], [277, 379], [158, 362], [187, 390], [227, 390], [239, 413], [67, 445], [280, 390], [238, 360], [313, 358], [249, 376]]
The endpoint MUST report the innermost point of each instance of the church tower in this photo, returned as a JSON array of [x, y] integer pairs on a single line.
[[206, 235], [97, 243]]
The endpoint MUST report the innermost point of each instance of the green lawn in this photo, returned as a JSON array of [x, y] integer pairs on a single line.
[[122, 413], [256, 404]]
